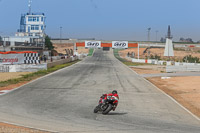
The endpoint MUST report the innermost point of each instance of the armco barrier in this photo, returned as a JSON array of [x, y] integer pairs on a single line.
[[138, 60], [34, 67], [150, 61], [153, 61], [185, 64], [27, 67], [172, 66], [184, 68]]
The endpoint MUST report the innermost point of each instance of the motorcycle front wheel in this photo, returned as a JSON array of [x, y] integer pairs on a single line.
[[107, 110], [96, 109]]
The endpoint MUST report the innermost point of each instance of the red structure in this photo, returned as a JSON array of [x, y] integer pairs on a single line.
[[82, 44]]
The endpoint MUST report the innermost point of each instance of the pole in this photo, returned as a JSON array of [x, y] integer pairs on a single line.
[[4, 44], [149, 34], [60, 34], [156, 35], [138, 51], [29, 5], [149, 29], [74, 48]]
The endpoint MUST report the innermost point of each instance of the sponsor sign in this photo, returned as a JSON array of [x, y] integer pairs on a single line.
[[119, 44], [11, 58], [93, 44], [46, 53]]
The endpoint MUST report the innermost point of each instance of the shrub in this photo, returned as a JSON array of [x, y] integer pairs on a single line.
[[191, 59], [155, 57]]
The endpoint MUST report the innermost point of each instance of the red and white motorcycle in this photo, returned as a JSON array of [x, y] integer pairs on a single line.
[[106, 104]]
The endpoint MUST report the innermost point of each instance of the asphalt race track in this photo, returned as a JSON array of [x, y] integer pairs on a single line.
[[64, 101]]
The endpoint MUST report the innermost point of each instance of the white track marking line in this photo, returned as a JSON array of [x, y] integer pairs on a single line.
[[32, 82], [4, 91], [174, 100], [43, 77], [32, 128]]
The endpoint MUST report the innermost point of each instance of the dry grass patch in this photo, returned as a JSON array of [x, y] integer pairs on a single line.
[[185, 90], [12, 75]]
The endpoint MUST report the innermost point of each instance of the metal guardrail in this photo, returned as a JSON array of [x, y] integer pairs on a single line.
[[189, 68]]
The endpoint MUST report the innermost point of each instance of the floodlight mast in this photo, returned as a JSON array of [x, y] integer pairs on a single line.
[[149, 29], [156, 35]]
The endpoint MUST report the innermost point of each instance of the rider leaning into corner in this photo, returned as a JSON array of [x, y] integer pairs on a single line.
[[114, 93]]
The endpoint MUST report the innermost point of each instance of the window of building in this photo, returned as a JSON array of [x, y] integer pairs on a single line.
[[34, 19], [42, 27], [30, 34], [42, 19], [34, 27], [30, 19], [37, 34]]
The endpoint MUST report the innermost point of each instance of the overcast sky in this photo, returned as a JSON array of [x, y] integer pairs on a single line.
[[108, 19]]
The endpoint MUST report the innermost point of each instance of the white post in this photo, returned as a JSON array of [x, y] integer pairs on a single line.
[[138, 51], [74, 48], [4, 44]]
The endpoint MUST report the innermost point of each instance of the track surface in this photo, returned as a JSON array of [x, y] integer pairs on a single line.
[[64, 101]]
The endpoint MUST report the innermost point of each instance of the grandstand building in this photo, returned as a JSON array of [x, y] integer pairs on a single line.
[[30, 36]]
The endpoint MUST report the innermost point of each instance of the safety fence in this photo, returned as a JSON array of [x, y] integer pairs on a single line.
[[188, 68], [153, 61], [172, 66]]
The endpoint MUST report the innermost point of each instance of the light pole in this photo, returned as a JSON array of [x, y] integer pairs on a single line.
[[4, 44], [149, 29], [60, 34], [156, 35]]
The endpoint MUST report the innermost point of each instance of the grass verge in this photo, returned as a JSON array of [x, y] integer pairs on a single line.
[[91, 52], [31, 76], [126, 62]]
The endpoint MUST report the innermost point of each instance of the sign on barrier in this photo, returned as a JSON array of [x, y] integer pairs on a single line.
[[11, 58], [120, 44], [93, 44]]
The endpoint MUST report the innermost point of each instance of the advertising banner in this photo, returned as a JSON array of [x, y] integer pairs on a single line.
[[120, 44], [11, 58], [93, 44]]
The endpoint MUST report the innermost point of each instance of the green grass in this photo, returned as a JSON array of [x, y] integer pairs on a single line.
[[179, 49], [126, 62], [91, 52], [31, 76]]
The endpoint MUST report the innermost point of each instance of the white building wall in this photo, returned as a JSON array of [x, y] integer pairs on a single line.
[[31, 25], [17, 39]]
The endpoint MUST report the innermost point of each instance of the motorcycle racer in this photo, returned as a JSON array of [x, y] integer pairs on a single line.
[[114, 94]]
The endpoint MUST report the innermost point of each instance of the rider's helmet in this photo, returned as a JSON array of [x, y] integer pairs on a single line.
[[114, 92]]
